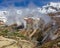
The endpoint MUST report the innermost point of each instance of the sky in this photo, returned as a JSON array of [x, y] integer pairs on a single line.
[[24, 3]]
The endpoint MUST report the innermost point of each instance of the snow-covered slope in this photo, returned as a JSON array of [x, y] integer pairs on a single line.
[[52, 7]]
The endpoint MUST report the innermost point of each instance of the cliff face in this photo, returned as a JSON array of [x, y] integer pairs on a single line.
[[56, 17]]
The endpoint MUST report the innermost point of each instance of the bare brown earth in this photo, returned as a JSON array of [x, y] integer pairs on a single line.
[[12, 38], [11, 43]]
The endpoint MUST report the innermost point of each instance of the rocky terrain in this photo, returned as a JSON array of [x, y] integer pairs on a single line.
[[39, 31]]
